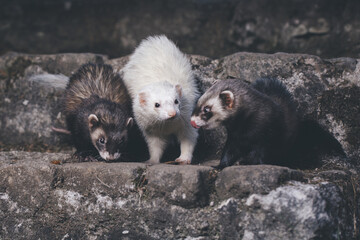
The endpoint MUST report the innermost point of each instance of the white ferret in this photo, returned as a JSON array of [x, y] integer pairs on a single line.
[[163, 90]]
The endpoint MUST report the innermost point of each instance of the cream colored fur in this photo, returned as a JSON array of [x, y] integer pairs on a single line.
[[158, 72]]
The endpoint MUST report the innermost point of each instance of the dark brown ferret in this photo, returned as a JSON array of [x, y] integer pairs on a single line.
[[98, 112], [263, 125]]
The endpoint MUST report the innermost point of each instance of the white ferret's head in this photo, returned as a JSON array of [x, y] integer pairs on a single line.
[[159, 102]]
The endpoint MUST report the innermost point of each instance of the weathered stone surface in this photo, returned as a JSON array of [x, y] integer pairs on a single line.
[[41, 199], [240, 181], [187, 186], [268, 214], [214, 28]]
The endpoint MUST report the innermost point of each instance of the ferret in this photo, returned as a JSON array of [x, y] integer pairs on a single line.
[[261, 120], [163, 91], [97, 108]]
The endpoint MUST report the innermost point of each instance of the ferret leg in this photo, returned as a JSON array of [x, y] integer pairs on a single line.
[[187, 139], [227, 159], [230, 155], [85, 156], [156, 148], [256, 155]]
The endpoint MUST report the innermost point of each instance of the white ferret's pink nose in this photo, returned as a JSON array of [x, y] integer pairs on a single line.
[[172, 114]]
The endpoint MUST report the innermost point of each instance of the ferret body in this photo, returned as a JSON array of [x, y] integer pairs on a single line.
[[261, 121], [97, 108], [162, 87]]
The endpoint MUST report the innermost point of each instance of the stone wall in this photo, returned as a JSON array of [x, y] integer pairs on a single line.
[[213, 28]]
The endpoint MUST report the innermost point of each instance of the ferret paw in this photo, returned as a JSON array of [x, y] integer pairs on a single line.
[[183, 161], [152, 161], [82, 157], [90, 159]]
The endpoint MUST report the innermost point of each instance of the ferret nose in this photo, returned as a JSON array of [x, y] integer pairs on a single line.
[[193, 124], [172, 114]]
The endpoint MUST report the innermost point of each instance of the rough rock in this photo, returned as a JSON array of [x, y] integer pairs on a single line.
[[186, 186], [271, 211], [43, 199], [240, 181], [50, 195], [213, 28]]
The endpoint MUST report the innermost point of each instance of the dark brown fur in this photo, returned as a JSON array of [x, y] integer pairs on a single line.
[[262, 124], [95, 79], [95, 90]]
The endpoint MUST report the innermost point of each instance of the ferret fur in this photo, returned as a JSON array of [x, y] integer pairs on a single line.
[[97, 108], [261, 121], [163, 90]]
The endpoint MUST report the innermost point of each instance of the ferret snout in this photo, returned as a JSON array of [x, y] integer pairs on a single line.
[[196, 122], [108, 157], [172, 114], [193, 124], [105, 155]]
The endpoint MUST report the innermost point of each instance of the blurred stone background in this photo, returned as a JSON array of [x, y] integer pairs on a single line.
[[213, 28]]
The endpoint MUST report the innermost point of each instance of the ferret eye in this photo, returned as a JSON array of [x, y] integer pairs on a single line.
[[157, 105], [207, 109], [176, 101], [101, 140]]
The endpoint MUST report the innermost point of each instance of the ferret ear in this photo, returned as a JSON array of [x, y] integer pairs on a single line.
[[178, 90], [92, 120], [227, 98], [129, 122], [142, 98]]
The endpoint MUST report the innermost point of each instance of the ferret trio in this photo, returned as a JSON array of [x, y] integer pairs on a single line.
[[155, 98]]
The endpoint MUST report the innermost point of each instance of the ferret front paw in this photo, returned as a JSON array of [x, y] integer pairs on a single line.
[[84, 157], [183, 161], [152, 161]]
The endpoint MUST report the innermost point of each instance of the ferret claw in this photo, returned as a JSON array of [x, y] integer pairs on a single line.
[[172, 162], [182, 161]]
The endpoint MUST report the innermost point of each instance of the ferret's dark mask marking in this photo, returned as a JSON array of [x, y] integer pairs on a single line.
[[206, 114], [101, 144]]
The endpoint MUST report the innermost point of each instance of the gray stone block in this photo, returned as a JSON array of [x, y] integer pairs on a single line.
[[241, 181], [186, 186]]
